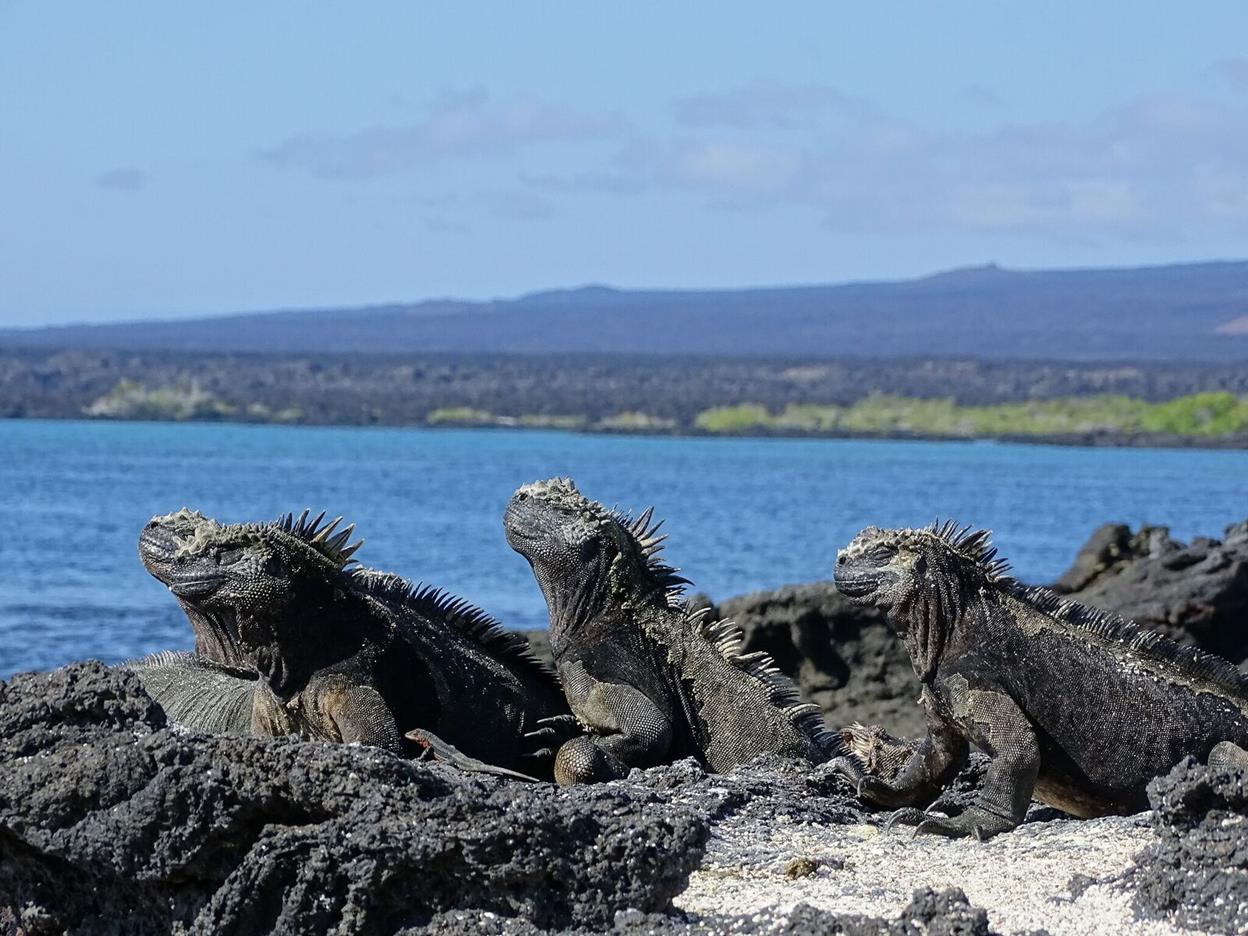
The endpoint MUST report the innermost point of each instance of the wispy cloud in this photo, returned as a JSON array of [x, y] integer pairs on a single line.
[[123, 179], [456, 125], [1158, 167]]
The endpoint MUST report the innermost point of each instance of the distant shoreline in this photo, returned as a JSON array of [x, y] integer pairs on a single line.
[[1038, 402], [1068, 440]]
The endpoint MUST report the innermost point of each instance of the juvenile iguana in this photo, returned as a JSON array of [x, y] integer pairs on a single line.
[[1076, 706], [650, 681], [344, 653]]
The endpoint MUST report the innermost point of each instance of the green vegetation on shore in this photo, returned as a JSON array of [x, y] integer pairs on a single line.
[[1216, 416], [181, 402], [1201, 415]]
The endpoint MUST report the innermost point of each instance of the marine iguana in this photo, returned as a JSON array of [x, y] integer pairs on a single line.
[[650, 681], [1076, 706], [344, 653]]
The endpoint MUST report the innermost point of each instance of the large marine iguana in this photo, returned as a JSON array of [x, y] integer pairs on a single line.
[[342, 653], [650, 681], [1076, 706]]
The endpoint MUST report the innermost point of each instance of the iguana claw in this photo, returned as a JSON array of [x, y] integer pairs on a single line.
[[908, 815], [974, 822], [555, 726]]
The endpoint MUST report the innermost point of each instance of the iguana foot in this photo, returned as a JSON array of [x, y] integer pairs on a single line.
[[582, 761], [973, 822], [908, 816], [1227, 755], [850, 768]]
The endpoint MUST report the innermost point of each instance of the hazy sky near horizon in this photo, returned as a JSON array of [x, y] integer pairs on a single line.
[[165, 159]]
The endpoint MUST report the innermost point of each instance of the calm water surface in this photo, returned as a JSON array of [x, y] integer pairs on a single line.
[[743, 514]]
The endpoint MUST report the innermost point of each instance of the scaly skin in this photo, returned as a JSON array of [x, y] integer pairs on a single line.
[[342, 653], [650, 681], [1074, 706]]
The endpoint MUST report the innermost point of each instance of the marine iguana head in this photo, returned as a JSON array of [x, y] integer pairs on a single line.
[[257, 590], [924, 579], [582, 553]]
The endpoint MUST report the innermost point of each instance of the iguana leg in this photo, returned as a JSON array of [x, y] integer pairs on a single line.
[[626, 729], [358, 715], [926, 766], [1000, 728]]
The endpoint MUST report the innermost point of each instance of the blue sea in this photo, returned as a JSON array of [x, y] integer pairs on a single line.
[[743, 514]]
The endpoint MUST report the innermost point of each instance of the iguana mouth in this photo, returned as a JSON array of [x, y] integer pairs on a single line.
[[197, 586], [856, 586]]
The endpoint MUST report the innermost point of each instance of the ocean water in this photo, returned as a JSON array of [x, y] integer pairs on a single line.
[[743, 514]]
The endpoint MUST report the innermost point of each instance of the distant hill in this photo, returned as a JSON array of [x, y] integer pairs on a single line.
[[1187, 312]]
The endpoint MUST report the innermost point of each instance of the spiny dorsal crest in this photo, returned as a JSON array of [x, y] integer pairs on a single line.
[[334, 546], [437, 605], [729, 642], [1140, 641], [975, 546], [644, 531]]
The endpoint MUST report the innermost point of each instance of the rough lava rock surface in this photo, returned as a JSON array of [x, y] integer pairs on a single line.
[[112, 823], [1197, 871], [929, 913], [1196, 592]]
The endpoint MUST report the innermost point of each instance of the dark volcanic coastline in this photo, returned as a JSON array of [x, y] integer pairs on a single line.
[[1075, 403]]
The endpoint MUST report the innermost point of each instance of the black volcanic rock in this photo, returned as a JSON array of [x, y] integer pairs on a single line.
[[112, 823], [844, 658], [1197, 872], [1197, 593]]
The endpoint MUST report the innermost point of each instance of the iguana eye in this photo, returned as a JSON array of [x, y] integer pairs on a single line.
[[881, 553], [230, 556]]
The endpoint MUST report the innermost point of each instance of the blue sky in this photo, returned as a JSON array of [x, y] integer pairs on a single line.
[[169, 159]]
